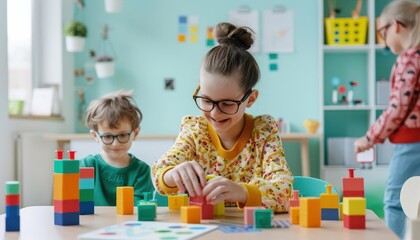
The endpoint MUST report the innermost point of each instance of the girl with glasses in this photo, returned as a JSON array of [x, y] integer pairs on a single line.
[[244, 152], [114, 121], [400, 122]]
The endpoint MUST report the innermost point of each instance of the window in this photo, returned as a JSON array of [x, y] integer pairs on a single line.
[[19, 47]]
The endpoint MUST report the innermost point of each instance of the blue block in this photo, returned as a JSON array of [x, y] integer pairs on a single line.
[[87, 208], [330, 214], [86, 183], [13, 223], [162, 201], [12, 210], [66, 219]]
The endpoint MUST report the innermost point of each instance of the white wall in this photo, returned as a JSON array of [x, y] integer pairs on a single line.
[[55, 64]]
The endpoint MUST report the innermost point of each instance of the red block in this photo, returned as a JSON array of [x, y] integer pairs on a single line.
[[87, 172], [198, 200], [354, 222], [353, 184], [12, 200], [207, 211], [353, 194], [66, 206]]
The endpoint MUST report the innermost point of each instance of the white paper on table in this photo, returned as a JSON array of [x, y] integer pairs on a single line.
[[248, 18], [278, 31]]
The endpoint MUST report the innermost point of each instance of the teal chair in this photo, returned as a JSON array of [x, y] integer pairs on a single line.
[[311, 187]]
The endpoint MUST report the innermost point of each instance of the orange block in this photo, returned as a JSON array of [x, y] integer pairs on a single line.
[[309, 212], [66, 186], [182, 38], [329, 199], [294, 215], [190, 214], [125, 200]]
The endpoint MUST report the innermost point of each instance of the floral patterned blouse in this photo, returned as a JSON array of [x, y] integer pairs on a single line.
[[256, 161]]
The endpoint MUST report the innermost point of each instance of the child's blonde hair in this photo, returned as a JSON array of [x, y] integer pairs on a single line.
[[111, 109], [407, 12]]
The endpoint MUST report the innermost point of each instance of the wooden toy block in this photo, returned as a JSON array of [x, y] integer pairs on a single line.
[[87, 207], [66, 186], [294, 215], [294, 201], [12, 210], [354, 222], [197, 200], [125, 200], [207, 211], [162, 201], [66, 219], [66, 166], [353, 194], [87, 195], [352, 184], [12, 200], [86, 183], [190, 214], [330, 214], [329, 199], [249, 215], [219, 209], [175, 202], [354, 206], [12, 187], [12, 223], [341, 211], [310, 212], [65, 206], [262, 218], [146, 212], [87, 172]]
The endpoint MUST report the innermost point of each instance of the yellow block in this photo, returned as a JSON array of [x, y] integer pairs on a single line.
[[194, 29], [219, 209], [66, 186], [294, 215], [190, 214], [354, 206], [329, 200], [309, 212], [175, 202], [341, 211], [125, 200]]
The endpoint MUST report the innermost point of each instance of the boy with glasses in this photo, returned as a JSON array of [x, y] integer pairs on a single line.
[[114, 121], [245, 153]]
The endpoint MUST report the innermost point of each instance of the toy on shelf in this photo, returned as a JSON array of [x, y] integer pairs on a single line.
[[66, 189], [87, 190], [335, 82], [342, 90], [12, 206], [350, 93]]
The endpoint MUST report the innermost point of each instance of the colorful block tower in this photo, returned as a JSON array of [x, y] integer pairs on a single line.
[[87, 186], [125, 200], [12, 206], [353, 187], [354, 212], [329, 205], [66, 190]]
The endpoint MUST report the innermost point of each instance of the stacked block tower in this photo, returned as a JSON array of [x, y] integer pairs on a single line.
[[329, 205], [87, 186], [12, 206], [66, 190], [353, 187], [354, 202]]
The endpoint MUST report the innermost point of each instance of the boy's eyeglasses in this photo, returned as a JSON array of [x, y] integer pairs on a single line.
[[108, 139], [382, 31], [229, 107]]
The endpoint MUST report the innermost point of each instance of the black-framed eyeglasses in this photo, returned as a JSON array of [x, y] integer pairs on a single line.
[[382, 31], [108, 139], [229, 107]]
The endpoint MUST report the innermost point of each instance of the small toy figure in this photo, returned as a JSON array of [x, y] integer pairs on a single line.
[[350, 93], [335, 81]]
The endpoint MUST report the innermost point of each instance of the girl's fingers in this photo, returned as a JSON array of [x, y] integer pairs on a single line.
[[178, 180], [194, 181], [200, 173], [187, 182]]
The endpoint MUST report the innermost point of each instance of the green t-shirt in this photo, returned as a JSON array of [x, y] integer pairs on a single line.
[[108, 178]]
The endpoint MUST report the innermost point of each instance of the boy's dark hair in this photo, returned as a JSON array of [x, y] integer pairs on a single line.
[[112, 108], [231, 54]]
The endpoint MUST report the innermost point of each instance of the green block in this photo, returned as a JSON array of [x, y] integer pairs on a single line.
[[66, 166], [146, 212], [272, 56], [273, 67], [87, 195], [162, 201], [210, 42], [262, 218], [12, 187]]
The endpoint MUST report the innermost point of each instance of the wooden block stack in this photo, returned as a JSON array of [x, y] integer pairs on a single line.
[[329, 205], [87, 186], [66, 190], [12, 206]]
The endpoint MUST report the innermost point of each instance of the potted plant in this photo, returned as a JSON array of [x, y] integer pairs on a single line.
[[112, 6], [104, 66], [75, 33]]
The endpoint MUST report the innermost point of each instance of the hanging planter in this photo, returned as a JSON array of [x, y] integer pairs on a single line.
[[75, 33], [113, 6], [104, 66]]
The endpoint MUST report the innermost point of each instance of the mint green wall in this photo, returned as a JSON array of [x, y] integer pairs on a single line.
[[144, 36]]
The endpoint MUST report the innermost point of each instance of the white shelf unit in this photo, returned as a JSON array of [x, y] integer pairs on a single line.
[[366, 58]]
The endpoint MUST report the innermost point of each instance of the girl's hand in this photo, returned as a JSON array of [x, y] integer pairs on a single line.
[[361, 145], [188, 177], [221, 189]]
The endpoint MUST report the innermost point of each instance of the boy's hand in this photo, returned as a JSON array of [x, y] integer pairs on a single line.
[[361, 145], [221, 189], [188, 177]]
